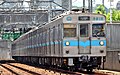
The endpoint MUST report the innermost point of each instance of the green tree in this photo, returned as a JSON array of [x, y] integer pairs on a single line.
[[115, 13], [108, 16], [100, 9]]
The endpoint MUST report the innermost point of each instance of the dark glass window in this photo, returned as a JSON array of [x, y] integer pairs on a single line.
[[69, 32], [98, 30], [83, 30], [84, 18]]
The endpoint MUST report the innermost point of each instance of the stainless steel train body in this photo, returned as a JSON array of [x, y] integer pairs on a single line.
[[74, 40]]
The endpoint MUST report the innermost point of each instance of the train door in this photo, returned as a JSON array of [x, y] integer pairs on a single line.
[[83, 39]]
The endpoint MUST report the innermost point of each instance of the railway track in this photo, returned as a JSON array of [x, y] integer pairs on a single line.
[[77, 73], [31, 72], [8, 69], [23, 69], [17, 70], [66, 72], [49, 70]]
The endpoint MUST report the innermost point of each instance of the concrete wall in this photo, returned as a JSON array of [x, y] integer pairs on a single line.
[[112, 61], [5, 51]]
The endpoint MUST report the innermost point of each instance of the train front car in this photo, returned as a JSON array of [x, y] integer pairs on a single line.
[[84, 42]]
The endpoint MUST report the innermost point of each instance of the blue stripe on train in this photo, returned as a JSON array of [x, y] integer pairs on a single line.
[[72, 43], [84, 44]]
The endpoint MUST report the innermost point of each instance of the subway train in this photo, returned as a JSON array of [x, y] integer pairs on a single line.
[[72, 40]]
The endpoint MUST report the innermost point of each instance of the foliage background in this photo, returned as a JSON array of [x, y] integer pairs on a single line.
[[115, 13]]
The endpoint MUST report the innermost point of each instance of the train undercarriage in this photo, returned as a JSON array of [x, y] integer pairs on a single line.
[[71, 63]]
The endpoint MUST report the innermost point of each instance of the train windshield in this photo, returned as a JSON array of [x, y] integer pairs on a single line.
[[69, 30], [98, 30]]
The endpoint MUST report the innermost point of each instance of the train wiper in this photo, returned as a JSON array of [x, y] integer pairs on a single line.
[[96, 35]]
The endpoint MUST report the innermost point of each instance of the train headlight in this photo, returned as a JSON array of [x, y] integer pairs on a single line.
[[101, 43], [67, 43]]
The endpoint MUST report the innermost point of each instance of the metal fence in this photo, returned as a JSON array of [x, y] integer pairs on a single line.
[[23, 18], [113, 47], [113, 36]]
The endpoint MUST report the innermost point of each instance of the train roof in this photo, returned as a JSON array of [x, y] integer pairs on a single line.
[[74, 13]]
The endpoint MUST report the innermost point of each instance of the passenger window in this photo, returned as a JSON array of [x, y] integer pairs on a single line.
[[69, 30], [84, 30]]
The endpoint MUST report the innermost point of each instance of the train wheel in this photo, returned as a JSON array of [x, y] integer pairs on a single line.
[[89, 70], [71, 69], [99, 67]]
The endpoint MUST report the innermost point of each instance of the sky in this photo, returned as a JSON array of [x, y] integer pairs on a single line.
[[107, 4], [79, 3]]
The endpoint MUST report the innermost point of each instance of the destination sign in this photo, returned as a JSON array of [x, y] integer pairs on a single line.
[[84, 18], [98, 18]]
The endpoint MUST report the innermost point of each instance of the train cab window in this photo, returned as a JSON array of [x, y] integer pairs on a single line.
[[69, 30], [98, 30], [84, 30]]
